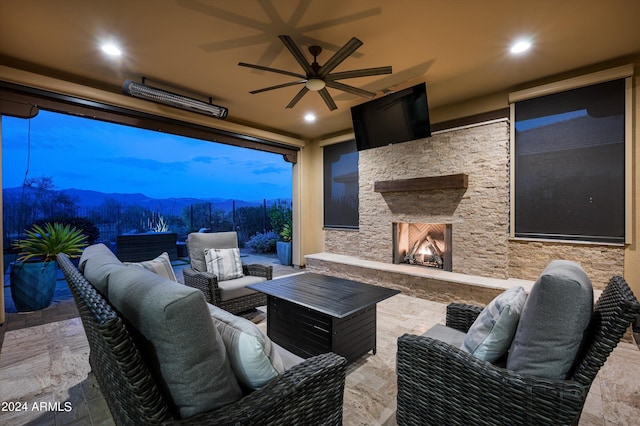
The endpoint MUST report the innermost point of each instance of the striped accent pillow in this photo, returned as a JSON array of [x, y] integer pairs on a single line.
[[224, 263], [161, 265]]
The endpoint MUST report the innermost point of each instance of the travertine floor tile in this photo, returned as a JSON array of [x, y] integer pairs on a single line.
[[49, 363], [620, 386], [41, 367]]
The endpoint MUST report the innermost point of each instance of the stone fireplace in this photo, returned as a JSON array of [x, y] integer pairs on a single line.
[[422, 244], [458, 177], [409, 183]]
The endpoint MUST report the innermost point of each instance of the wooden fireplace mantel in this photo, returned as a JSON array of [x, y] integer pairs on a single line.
[[458, 181]]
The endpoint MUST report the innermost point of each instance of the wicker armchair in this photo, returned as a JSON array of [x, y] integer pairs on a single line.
[[440, 384], [198, 277]]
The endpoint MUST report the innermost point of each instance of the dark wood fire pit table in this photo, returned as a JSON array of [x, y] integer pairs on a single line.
[[309, 314]]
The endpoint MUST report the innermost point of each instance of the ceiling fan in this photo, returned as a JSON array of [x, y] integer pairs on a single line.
[[318, 77]]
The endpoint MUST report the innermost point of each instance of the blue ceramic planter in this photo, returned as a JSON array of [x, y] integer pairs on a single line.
[[32, 285], [283, 248]]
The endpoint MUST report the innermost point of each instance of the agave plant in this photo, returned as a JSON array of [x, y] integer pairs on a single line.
[[44, 243]]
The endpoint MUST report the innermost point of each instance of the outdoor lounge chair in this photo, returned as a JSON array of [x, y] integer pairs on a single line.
[[440, 384], [231, 295]]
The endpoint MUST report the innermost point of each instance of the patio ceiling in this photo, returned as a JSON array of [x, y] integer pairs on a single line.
[[459, 48]]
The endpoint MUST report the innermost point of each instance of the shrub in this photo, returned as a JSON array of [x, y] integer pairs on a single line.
[[286, 232], [279, 214], [263, 243]]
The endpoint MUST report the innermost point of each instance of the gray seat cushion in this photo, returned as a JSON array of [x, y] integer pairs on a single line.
[[446, 334], [232, 289], [179, 340], [197, 242], [289, 359], [553, 322]]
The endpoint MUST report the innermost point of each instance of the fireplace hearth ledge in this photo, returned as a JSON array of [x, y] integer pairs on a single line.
[[417, 281], [413, 280], [418, 271]]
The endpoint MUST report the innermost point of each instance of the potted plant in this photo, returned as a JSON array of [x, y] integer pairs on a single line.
[[33, 274], [283, 248]]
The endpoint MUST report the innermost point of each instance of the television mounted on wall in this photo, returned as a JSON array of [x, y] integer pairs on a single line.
[[397, 117]]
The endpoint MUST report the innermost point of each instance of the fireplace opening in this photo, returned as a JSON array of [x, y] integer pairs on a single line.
[[422, 244]]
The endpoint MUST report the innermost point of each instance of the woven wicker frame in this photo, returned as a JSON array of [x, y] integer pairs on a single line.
[[440, 384], [207, 283], [131, 394], [311, 393]]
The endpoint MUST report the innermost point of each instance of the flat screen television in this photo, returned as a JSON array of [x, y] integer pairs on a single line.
[[397, 117]]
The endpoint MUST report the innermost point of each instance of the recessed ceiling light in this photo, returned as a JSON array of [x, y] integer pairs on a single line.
[[111, 49], [520, 46], [309, 117]]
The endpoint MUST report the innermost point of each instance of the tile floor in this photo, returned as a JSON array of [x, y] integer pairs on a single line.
[[48, 363]]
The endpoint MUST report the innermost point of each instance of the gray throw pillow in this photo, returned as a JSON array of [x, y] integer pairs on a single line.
[[180, 342], [553, 322]]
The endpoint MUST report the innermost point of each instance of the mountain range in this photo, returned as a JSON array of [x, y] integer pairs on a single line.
[[87, 198]]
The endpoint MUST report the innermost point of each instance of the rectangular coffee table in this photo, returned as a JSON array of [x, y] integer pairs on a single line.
[[309, 314]]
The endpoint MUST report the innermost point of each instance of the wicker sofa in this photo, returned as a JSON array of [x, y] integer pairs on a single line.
[[125, 357], [438, 383]]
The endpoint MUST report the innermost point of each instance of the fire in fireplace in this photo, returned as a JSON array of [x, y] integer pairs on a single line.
[[424, 244]]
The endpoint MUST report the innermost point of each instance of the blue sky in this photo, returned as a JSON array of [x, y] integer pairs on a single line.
[[89, 154]]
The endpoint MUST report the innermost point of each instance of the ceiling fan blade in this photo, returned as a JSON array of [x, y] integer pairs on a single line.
[[326, 97], [260, 67], [297, 53], [358, 73], [350, 89], [342, 54], [279, 86], [297, 97]]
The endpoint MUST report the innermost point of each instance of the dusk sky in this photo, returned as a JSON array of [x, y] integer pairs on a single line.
[[90, 154]]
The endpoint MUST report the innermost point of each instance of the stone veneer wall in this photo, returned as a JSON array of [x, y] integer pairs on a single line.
[[528, 258], [479, 215], [344, 241]]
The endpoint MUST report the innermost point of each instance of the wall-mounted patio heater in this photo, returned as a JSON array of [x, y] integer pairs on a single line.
[[143, 91]]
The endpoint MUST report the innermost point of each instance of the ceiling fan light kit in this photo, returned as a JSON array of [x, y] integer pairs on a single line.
[[315, 84], [318, 77], [149, 93]]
